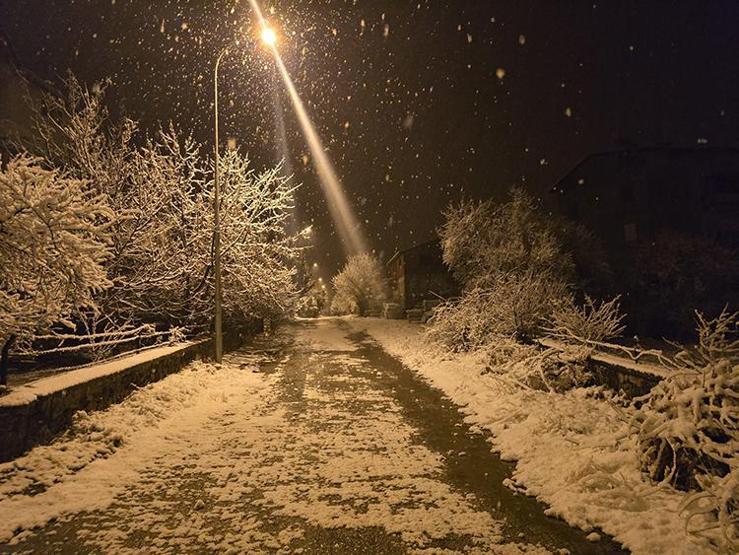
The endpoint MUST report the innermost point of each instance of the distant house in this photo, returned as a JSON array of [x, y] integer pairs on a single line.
[[668, 221], [418, 273], [629, 195]]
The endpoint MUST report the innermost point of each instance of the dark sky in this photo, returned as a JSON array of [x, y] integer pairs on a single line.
[[419, 103]]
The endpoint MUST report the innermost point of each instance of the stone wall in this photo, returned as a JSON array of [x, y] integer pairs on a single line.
[[618, 378], [617, 373], [38, 421]]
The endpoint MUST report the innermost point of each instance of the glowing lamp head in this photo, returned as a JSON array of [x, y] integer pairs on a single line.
[[269, 37]]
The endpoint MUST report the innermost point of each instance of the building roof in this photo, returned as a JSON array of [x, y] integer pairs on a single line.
[[565, 181], [410, 249]]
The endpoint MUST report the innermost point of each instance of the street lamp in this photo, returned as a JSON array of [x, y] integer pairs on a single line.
[[269, 37]]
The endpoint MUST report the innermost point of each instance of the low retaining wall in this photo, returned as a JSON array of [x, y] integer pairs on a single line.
[[617, 373], [632, 382], [33, 414]]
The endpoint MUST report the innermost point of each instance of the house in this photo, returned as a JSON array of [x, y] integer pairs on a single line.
[[629, 195], [418, 273], [667, 220]]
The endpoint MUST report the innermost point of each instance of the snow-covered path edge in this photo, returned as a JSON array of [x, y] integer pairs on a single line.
[[572, 451], [106, 451]]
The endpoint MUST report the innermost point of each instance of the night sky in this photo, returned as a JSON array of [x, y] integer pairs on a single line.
[[418, 103]]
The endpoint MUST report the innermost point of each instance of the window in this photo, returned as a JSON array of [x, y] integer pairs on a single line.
[[630, 232]]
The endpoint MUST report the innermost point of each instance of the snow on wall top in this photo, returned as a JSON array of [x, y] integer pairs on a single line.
[[28, 393]]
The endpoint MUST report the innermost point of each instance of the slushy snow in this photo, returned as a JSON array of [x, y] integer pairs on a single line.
[[573, 451]]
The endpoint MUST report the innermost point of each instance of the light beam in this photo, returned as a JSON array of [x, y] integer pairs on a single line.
[[269, 37], [346, 222]]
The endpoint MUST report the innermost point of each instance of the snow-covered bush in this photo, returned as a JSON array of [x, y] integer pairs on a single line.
[[54, 241], [511, 266], [359, 286], [161, 264], [589, 324], [517, 279], [711, 513], [687, 427], [578, 330], [529, 366], [514, 306], [483, 240]]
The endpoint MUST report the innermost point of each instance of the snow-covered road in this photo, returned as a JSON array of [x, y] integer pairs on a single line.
[[315, 441]]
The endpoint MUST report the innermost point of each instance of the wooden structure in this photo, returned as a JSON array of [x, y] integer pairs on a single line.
[[417, 274]]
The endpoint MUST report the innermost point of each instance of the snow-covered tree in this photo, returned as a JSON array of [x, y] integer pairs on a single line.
[[161, 264], [359, 285], [511, 264], [161, 242], [54, 241], [73, 130], [484, 240], [257, 252], [163, 247], [312, 301]]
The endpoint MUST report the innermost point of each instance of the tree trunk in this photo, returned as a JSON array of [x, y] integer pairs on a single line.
[[4, 358], [362, 306]]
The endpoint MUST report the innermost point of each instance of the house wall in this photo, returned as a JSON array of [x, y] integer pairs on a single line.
[[632, 195], [628, 199], [419, 273]]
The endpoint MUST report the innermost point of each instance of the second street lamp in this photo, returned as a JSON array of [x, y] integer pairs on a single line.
[[269, 37]]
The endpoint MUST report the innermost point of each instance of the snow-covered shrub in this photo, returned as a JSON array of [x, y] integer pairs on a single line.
[[161, 264], [531, 366], [482, 241], [511, 266], [687, 427], [578, 329], [54, 241], [515, 305], [359, 286], [589, 324], [711, 513]]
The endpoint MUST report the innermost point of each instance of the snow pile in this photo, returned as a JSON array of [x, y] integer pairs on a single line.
[[687, 430], [574, 450], [85, 468], [323, 452]]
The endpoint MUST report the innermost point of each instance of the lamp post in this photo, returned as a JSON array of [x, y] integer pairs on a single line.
[[218, 317], [269, 37]]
